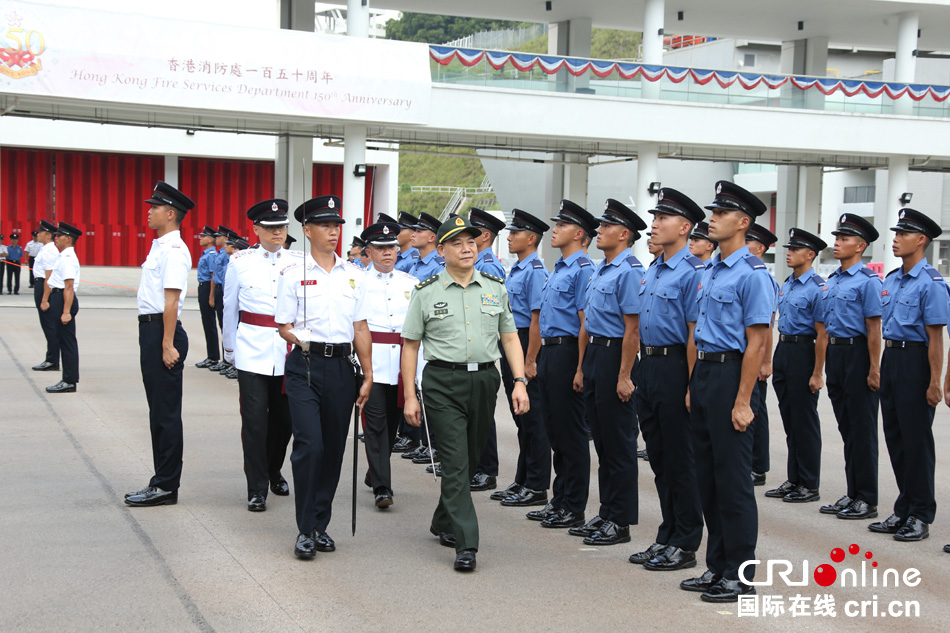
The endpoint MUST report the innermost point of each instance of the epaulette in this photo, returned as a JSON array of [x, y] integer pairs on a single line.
[[633, 261], [295, 253], [440, 259], [818, 279], [426, 282], [238, 255], [583, 261], [493, 277], [694, 261], [289, 266], [414, 255], [936, 276], [488, 258], [537, 264], [356, 266], [893, 271], [754, 261], [867, 271]]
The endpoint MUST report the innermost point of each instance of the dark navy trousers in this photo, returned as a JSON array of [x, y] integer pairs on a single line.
[[48, 323], [760, 428], [793, 365], [534, 457], [163, 388]]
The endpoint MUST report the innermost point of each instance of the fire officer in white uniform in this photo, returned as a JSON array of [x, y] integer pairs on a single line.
[[254, 346], [387, 292]]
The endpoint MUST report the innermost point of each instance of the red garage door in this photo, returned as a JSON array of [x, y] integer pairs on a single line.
[[27, 191]]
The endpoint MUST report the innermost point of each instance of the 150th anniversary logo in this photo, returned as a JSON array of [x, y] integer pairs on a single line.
[[20, 48]]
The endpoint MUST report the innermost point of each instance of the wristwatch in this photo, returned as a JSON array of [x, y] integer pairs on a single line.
[[522, 380]]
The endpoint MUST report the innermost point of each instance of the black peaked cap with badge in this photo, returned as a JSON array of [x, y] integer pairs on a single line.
[[575, 214], [320, 209], [913, 221], [616, 212], [427, 222], [485, 220], [407, 220], [269, 213], [164, 193], [385, 217], [454, 226], [223, 231], [761, 234], [47, 226], [207, 231], [673, 202], [381, 233], [732, 197], [852, 224], [14, 236], [701, 232], [800, 238], [239, 243], [68, 229], [524, 221]]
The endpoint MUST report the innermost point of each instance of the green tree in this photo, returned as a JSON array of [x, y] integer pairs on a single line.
[[437, 29]]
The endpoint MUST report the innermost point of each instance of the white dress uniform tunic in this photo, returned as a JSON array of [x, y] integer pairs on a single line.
[[45, 260]]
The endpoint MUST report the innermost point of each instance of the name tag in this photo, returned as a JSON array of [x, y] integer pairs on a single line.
[[308, 282]]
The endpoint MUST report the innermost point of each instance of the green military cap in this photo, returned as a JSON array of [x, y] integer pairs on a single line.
[[453, 226]]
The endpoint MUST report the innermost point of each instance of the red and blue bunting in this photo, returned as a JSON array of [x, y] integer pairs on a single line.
[[525, 62]]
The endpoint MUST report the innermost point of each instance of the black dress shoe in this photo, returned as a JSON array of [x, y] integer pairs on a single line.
[[225, 367], [946, 548], [256, 503], [62, 387], [280, 487], [137, 492], [46, 366], [890, 525], [513, 489], [323, 542], [858, 510], [404, 445], [414, 452], [671, 559], [446, 539], [152, 496], [434, 468], [205, 363], [218, 366], [481, 482], [306, 546], [426, 457], [527, 497], [362, 437], [641, 558], [758, 479], [801, 494], [727, 591], [588, 528], [609, 534], [542, 514], [837, 506], [465, 560], [643, 455], [232, 373], [564, 519], [913, 530], [384, 498], [781, 491], [702, 584]]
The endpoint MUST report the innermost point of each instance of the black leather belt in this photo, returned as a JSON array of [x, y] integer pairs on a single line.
[[55, 290], [558, 340], [903, 344], [837, 340], [461, 366], [604, 341], [146, 318], [218, 285], [719, 357], [203, 283], [330, 350], [796, 338], [666, 350]]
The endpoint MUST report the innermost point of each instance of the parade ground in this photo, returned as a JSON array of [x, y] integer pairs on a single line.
[[75, 558]]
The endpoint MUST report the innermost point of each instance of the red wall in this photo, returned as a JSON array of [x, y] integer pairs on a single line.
[[27, 191]]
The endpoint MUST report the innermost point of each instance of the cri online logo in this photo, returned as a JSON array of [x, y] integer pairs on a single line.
[[827, 574]]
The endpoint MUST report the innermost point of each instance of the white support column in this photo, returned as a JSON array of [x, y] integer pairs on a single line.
[[648, 160], [905, 66], [652, 44], [354, 140], [885, 215], [171, 170], [579, 41], [293, 178], [357, 18]]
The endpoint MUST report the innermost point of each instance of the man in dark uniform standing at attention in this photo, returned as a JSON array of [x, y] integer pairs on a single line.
[[799, 364], [205, 288], [736, 305], [916, 309], [163, 344], [63, 283], [42, 269], [668, 313], [458, 317], [851, 304]]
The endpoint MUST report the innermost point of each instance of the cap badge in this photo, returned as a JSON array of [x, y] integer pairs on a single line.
[[844, 218], [330, 203], [659, 196], [459, 222], [719, 188], [562, 205], [606, 206], [273, 206], [791, 232], [385, 230], [901, 215]]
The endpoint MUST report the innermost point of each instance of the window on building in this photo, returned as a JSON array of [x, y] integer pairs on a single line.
[[859, 194], [748, 60]]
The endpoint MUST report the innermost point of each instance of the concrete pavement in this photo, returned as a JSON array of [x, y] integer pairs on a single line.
[[76, 558]]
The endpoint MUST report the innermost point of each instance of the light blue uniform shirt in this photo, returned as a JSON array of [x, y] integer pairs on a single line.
[[205, 263], [912, 301], [486, 262], [427, 266], [564, 295], [799, 304], [221, 266], [848, 298], [668, 299], [525, 284], [405, 259], [734, 294], [613, 291]]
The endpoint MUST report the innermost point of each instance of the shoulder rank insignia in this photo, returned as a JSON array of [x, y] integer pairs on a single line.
[[537, 264], [754, 261], [633, 261], [426, 282], [584, 262], [493, 277], [936, 276], [867, 271]]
